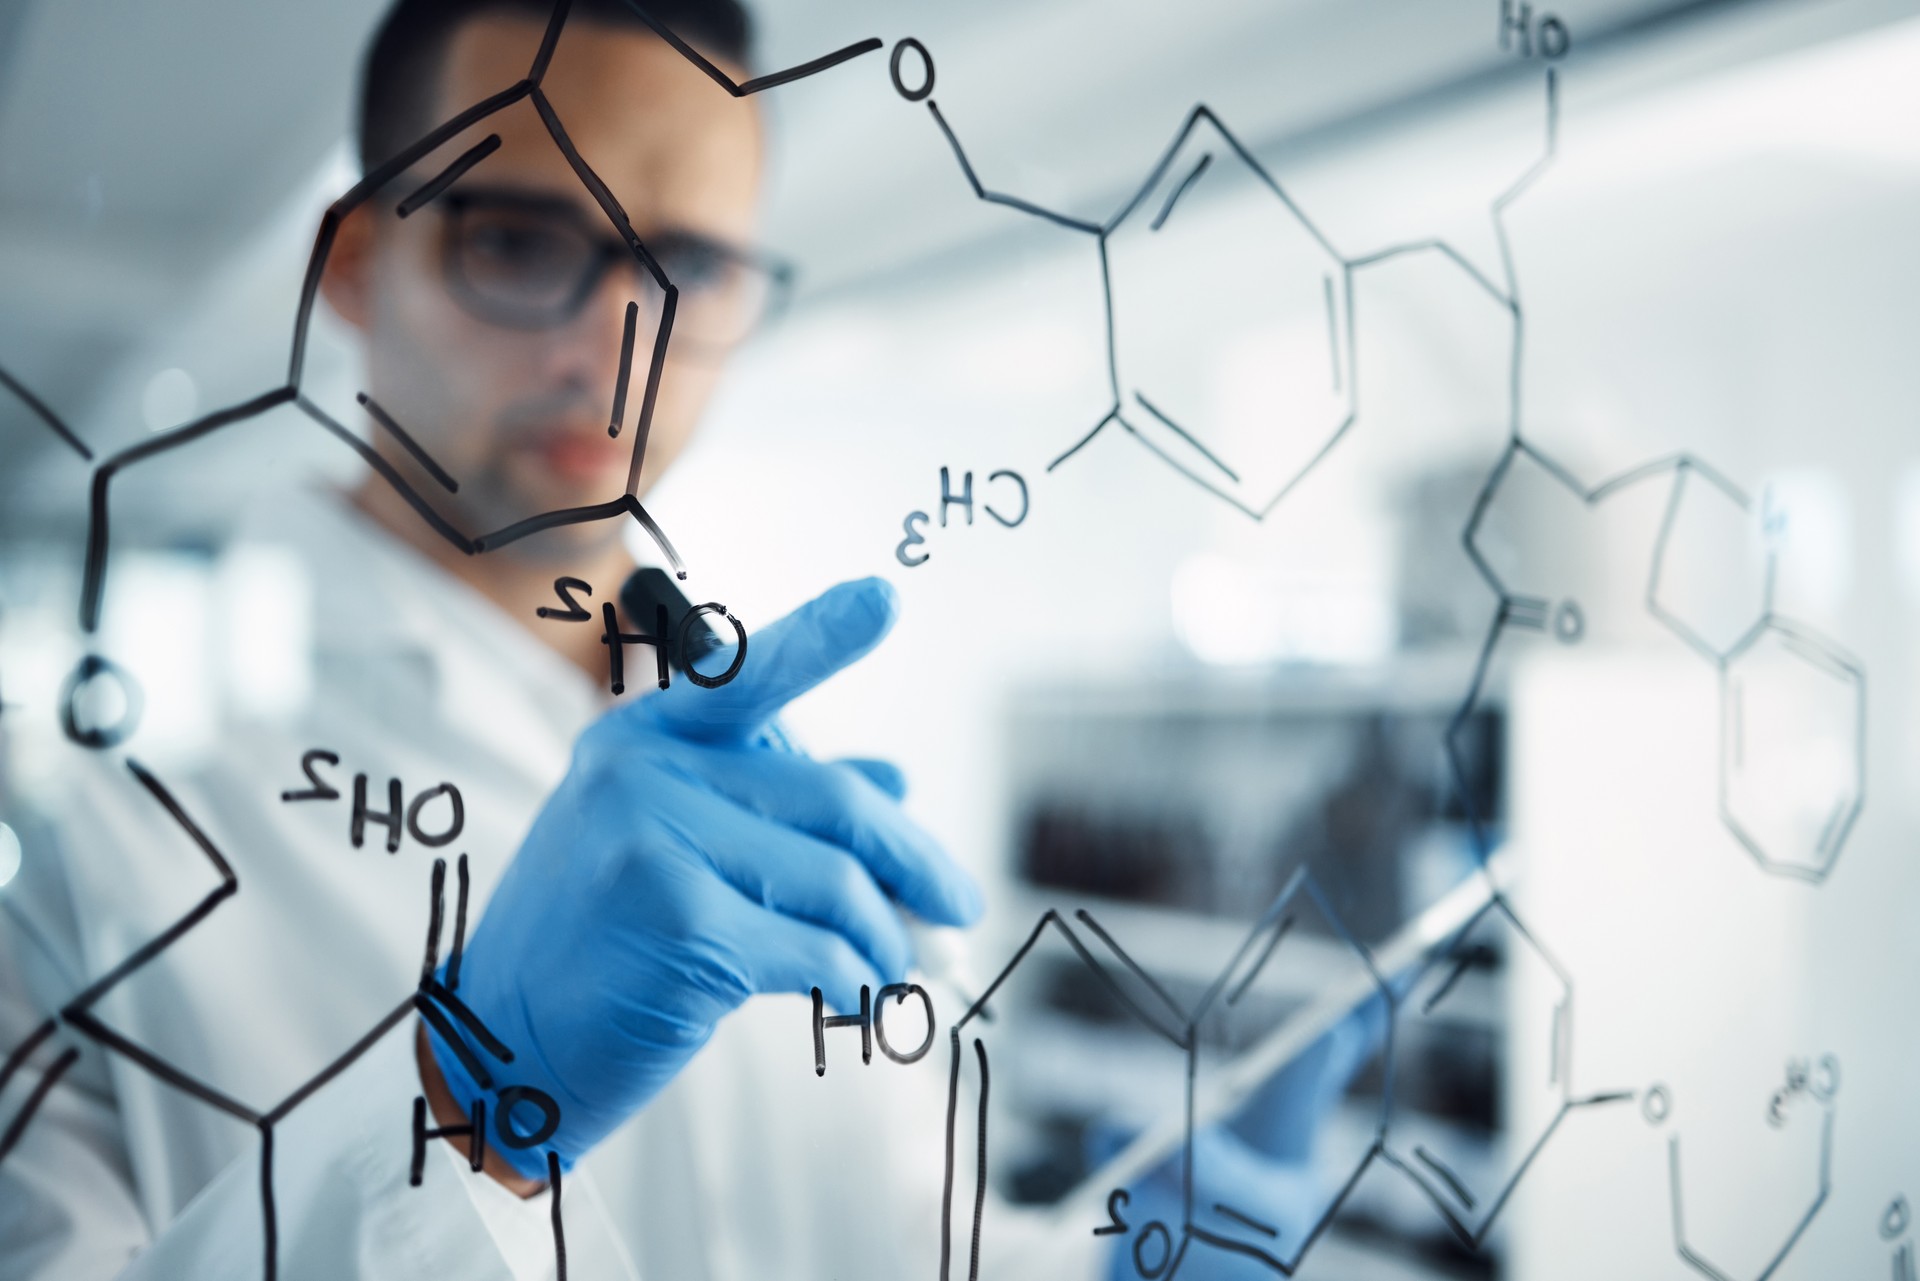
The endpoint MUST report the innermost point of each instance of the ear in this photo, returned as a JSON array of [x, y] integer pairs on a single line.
[[344, 282]]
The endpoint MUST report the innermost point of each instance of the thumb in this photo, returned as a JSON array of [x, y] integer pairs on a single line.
[[783, 661]]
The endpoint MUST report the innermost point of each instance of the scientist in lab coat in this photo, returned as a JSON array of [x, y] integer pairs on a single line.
[[638, 871], [637, 874]]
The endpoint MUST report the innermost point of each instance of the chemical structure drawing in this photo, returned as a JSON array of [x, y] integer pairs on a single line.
[[1793, 704], [435, 1000], [1721, 632], [1310, 404], [101, 701], [1206, 1220], [1718, 596], [50, 1074], [52, 421], [55, 424], [79, 1014], [1816, 1083], [1792, 758], [1297, 287], [1793, 748], [1711, 584], [440, 1007], [1470, 1193], [1896, 1223]]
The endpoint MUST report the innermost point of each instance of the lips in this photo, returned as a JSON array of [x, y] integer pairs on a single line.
[[576, 456]]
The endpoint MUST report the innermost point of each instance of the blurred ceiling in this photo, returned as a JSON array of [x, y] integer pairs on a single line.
[[142, 143]]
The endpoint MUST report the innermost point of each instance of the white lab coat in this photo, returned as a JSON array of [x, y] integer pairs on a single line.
[[747, 1166]]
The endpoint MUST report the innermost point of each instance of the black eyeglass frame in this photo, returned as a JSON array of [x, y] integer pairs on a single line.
[[779, 273]]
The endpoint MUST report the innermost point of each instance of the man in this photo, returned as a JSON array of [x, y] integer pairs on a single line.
[[497, 329], [638, 873], [678, 866]]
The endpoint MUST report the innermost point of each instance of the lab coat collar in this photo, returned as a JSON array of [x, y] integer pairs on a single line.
[[378, 603]]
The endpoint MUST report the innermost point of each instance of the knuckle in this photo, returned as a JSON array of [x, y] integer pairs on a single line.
[[683, 906], [728, 975]]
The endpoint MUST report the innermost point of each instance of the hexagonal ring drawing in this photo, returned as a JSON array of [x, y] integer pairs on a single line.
[[1302, 369], [1280, 310], [1470, 1199], [1148, 1002], [1792, 748]]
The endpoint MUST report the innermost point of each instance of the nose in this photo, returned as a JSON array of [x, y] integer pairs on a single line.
[[600, 341]]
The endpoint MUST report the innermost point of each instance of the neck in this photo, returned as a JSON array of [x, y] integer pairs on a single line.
[[518, 584]]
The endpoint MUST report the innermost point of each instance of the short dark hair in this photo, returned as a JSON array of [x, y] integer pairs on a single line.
[[404, 59]]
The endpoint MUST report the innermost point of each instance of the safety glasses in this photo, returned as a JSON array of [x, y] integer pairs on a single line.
[[525, 261]]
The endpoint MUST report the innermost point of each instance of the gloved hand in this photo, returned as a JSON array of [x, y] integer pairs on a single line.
[[681, 867], [1261, 1162]]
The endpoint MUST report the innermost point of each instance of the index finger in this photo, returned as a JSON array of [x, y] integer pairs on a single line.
[[788, 658]]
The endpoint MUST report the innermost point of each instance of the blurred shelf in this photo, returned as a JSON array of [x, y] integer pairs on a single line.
[[1428, 679], [1171, 810], [1183, 948], [1191, 948]]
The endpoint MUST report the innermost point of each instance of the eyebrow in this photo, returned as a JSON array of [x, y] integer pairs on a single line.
[[437, 184], [531, 199]]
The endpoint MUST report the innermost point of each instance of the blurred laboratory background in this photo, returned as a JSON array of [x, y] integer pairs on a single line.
[[1142, 701]]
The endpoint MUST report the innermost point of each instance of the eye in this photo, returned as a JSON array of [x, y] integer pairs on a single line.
[[518, 245]]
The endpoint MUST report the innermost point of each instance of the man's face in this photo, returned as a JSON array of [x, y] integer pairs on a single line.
[[494, 316]]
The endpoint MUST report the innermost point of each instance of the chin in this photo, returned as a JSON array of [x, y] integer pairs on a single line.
[[537, 488]]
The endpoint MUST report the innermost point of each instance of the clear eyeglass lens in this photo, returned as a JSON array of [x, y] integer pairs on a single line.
[[529, 268], [722, 300], [522, 263]]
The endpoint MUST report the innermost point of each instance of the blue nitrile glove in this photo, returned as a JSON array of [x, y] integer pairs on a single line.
[[1260, 1161], [682, 866]]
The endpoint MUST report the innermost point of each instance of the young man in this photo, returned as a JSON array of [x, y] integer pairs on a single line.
[[638, 873]]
